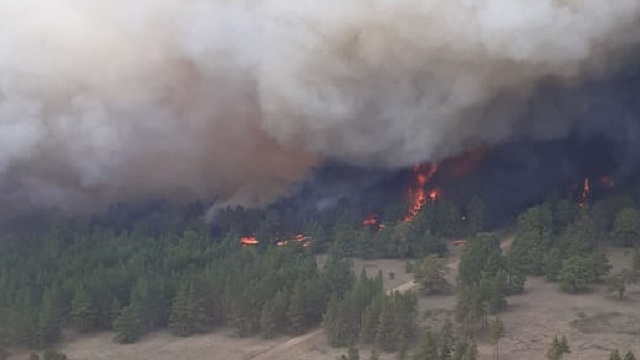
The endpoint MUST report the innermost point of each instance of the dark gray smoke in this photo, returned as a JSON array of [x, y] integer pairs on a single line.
[[108, 100]]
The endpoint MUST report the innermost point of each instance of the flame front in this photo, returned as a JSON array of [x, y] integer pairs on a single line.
[[249, 240], [586, 192], [417, 195], [373, 222], [300, 238]]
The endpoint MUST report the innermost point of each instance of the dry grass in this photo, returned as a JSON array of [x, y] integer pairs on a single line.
[[594, 324]]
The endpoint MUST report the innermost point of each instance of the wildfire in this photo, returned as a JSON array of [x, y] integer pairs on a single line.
[[586, 192], [249, 241], [300, 238], [373, 222], [417, 195]]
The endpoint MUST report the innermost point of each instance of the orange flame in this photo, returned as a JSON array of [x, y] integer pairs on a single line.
[[249, 240], [417, 196], [300, 238], [374, 222], [586, 192]]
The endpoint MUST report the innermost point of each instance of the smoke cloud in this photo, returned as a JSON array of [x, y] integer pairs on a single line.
[[192, 99]]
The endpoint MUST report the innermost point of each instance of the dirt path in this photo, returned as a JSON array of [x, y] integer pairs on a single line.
[[275, 353]]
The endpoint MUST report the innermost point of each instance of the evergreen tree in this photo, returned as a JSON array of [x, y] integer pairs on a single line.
[[385, 334], [50, 319], [182, 321], [577, 274], [126, 326], [427, 348], [446, 341], [626, 228], [497, 331], [618, 282], [83, 311], [297, 310], [558, 348], [629, 356], [476, 216], [430, 273], [268, 320]]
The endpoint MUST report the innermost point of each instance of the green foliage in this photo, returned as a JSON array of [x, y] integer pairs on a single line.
[[50, 318], [485, 280], [558, 348], [444, 345], [629, 356], [552, 264], [84, 313], [366, 313], [476, 216], [579, 272], [480, 256], [615, 355], [626, 227], [430, 272], [53, 355], [497, 331], [126, 326], [618, 282]]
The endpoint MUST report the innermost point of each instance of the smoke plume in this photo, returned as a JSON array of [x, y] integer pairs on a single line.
[[108, 100]]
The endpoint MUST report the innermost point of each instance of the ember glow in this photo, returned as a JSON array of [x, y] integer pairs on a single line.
[[586, 192], [305, 241], [249, 241], [417, 195], [373, 222]]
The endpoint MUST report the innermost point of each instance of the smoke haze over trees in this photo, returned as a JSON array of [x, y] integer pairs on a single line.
[[192, 99]]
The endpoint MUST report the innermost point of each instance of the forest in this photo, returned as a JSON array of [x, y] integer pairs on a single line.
[[133, 272]]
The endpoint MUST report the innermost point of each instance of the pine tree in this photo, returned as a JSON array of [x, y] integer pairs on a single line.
[[297, 310], [268, 320], [446, 341], [629, 356], [50, 319], [114, 311], [126, 326], [370, 318], [427, 348], [476, 213], [497, 331], [182, 317], [385, 334], [558, 348], [83, 312]]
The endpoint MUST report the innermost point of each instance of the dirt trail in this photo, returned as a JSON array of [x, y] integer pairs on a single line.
[[275, 353]]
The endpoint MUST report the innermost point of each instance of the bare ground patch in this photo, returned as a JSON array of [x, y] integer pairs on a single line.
[[594, 324]]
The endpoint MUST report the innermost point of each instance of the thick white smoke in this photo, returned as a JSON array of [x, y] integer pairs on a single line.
[[108, 100]]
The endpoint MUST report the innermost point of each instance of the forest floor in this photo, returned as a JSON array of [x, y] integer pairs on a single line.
[[594, 323]]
